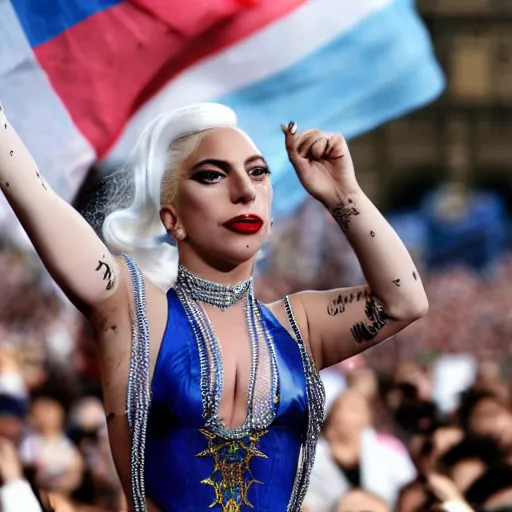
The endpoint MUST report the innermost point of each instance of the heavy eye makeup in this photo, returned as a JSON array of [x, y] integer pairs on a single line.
[[213, 176], [208, 177], [259, 172]]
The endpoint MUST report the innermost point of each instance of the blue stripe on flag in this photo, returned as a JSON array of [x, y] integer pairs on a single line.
[[382, 69], [43, 20]]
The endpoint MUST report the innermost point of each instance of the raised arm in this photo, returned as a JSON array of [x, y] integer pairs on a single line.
[[343, 322], [70, 249]]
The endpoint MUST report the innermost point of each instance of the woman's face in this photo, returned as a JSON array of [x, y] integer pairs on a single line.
[[226, 177]]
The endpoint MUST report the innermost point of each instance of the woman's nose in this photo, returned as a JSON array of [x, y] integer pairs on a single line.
[[243, 189]]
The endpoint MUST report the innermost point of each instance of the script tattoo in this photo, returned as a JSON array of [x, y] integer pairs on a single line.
[[108, 274], [377, 319], [342, 214], [337, 305]]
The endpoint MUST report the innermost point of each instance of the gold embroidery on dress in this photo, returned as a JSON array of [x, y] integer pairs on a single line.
[[231, 477]]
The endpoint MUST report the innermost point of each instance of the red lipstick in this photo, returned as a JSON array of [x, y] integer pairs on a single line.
[[244, 224]]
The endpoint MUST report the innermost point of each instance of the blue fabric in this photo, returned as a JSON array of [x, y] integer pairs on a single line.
[[173, 470], [43, 20]]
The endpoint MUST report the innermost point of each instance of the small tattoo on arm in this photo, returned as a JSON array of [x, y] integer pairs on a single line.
[[396, 282], [377, 319], [7, 184], [41, 179], [11, 152], [337, 305], [372, 234], [108, 274], [342, 214], [415, 275]]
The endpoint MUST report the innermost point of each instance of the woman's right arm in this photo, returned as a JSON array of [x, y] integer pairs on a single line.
[[68, 246]]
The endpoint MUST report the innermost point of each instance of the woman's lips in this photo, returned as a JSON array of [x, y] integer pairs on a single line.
[[244, 224]]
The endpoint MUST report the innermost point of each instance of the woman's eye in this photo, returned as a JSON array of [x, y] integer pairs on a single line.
[[259, 172], [208, 176]]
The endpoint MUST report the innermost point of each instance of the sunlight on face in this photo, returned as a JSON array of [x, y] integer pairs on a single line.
[[224, 178]]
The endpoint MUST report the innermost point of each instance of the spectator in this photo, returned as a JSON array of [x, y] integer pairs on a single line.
[[16, 494], [493, 489], [483, 413], [359, 500], [352, 454], [57, 463], [467, 461], [415, 497]]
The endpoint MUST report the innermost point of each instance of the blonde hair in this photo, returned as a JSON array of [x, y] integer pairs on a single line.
[[154, 168]]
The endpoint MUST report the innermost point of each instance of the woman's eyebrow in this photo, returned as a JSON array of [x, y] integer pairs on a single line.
[[221, 164], [224, 164], [254, 158]]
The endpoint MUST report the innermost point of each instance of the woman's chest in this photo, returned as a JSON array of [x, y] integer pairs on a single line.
[[232, 375]]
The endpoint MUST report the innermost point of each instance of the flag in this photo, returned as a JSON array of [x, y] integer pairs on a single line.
[[79, 79]]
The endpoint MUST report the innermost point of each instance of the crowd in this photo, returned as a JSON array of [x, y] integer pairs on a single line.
[[419, 420]]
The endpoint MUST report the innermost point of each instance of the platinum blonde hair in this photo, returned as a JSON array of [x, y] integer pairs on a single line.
[[155, 168]]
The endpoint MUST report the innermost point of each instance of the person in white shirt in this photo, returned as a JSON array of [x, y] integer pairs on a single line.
[[15, 492]]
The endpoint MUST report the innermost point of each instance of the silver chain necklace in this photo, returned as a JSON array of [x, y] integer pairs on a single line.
[[263, 389], [211, 293]]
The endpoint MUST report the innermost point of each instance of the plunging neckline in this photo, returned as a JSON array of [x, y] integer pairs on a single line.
[[212, 400]]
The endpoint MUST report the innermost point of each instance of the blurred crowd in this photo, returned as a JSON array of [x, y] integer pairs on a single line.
[[424, 436], [422, 419]]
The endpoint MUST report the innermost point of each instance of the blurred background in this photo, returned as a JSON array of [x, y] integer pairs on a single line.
[[424, 416]]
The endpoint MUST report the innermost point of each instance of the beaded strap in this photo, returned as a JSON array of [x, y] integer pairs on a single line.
[[315, 394], [138, 394]]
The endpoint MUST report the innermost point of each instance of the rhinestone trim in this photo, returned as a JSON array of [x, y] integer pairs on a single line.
[[261, 410], [138, 395], [315, 393], [211, 293]]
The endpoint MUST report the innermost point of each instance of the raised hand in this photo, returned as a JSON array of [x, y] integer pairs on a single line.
[[322, 162]]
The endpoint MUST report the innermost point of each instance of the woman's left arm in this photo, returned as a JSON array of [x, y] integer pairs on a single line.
[[343, 322]]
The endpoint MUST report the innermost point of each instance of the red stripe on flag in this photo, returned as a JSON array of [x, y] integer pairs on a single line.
[[106, 67]]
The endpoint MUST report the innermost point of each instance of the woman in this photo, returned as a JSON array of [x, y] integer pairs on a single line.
[[225, 404], [352, 454]]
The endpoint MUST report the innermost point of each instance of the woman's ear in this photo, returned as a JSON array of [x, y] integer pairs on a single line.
[[170, 220]]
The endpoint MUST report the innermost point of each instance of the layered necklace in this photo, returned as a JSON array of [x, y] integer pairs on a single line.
[[263, 389]]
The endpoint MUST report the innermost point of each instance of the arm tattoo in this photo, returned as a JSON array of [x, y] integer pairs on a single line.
[[42, 182], [396, 282], [377, 319], [337, 305], [342, 214], [108, 274]]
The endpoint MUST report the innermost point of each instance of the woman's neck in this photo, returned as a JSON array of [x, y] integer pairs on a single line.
[[224, 274]]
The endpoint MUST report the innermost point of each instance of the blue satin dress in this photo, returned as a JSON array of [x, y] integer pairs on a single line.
[[191, 469]]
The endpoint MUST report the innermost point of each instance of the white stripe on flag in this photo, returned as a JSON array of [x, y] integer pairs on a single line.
[[37, 113], [274, 48]]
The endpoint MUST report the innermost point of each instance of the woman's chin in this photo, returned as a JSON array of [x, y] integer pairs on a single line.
[[239, 253]]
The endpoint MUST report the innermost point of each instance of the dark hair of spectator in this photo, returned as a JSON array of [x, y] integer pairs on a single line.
[[493, 481], [469, 402], [480, 448], [419, 484]]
